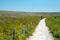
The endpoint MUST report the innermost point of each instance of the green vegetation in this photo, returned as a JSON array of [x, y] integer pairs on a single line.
[[21, 25], [17, 27], [53, 23]]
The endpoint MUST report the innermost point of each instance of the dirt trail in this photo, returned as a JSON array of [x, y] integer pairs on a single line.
[[42, 32]]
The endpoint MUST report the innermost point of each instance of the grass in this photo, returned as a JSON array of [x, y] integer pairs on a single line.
[[17, 27], [53, 22]]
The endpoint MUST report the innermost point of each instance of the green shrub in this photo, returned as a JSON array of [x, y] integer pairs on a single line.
[[53, 23], [17, 27]]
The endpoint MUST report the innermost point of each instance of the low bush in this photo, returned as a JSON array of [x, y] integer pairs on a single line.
[[53, 22], [17, 27]]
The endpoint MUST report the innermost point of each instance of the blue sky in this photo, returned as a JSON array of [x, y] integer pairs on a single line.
[[30, 5]]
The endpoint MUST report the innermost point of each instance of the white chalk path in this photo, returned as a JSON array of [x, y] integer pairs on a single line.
[[42, 32]]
